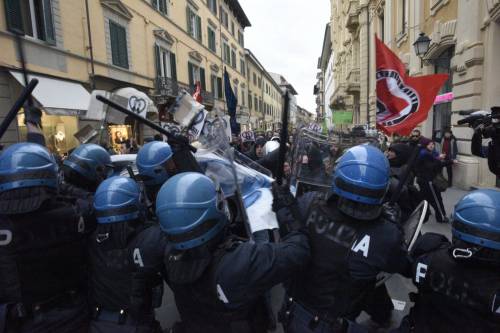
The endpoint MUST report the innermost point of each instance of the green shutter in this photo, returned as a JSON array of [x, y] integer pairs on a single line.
[[157, 61], [190, 74], [198, 28], [119, 52], [173, 67], [163, 6], [13, 15], [202, 79]]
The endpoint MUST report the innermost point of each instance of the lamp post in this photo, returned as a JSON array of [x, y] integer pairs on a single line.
[[421, 46]]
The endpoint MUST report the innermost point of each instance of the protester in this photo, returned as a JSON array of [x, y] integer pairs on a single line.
[[429, 165], [450, 150]]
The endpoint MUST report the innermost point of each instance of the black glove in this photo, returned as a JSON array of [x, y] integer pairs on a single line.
[[282, 197], [391, 213], [33, 115], [179, 142]]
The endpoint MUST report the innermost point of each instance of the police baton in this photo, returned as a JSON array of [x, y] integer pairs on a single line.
[[142, 120], [283, 139], [21, 100]]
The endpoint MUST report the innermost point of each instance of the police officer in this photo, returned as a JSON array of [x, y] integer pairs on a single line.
[[42, 247], [217, 278], [458, 283], [126, 260], [84, 169], [155, 166], [353, 238]]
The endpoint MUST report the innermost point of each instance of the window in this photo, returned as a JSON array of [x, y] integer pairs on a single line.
[[119, 50], [196, 74], [250, 100], [216, 83], [33, 18], [161, 6], [193, 24], [261, 109], [241, 39], [403, 7], [224, 18], [226, 56], [243, 97], [211, 39], [254, 79], [165, 63], [259, 82], [232, 28], [233, 59], [212, 5], [235, 90], [242, 66]]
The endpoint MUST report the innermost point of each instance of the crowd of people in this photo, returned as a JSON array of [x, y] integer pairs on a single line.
[[92, 252]]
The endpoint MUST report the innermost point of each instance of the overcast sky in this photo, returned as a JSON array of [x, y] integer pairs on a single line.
[[287, 36]]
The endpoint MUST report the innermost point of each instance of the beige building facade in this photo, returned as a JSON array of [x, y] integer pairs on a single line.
[[465, 43], [266, 105], [156, 46]]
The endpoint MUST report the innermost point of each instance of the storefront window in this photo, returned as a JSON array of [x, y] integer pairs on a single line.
[[442, 112], [57, 130], [121, 138]]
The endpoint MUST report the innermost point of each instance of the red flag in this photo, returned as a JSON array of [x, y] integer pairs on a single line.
[[403, 101], [197, 93]]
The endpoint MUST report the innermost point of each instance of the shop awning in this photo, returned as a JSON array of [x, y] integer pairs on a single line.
[[58, 97]]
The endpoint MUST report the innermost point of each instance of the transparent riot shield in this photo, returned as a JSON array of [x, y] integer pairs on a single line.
[[313, 158]]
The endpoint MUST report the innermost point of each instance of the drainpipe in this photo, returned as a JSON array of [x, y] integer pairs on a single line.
[[91, 49]]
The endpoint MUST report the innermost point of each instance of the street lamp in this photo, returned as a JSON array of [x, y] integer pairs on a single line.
[[421, 46]]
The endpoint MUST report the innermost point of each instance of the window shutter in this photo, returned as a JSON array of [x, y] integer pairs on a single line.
[[198, 28], [48, 22], [13, 15], [123, 46], [188, 16], [155, 3], [202, 79], [190, 74], [157, 61], [215, 6], [113, 36], [165, 64], [173, 66], [219, 87]]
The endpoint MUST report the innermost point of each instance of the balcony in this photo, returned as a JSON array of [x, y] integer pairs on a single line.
[[352, 22], [353, 85]]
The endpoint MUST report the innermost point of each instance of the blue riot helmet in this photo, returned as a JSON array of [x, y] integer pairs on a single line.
[[476, 222], [191, 210], [117, 199], [152, 162], [87, 166], [28, 177], [361, 180], [25, 165]]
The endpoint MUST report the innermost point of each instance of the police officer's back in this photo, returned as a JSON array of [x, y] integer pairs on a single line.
[[126, 261], [42, 248], [459, 283], [352, 239], [218, 279]]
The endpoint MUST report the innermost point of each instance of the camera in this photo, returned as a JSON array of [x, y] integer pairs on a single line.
[[486, 125]]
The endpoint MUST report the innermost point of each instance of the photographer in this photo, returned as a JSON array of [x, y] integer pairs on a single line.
[[487, 127]]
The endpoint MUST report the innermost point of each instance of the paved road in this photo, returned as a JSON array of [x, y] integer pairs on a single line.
[[398, 286]]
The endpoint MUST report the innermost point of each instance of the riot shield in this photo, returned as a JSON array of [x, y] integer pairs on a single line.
[[313, 157], [411, 231], [247, 190], [411, 227]]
